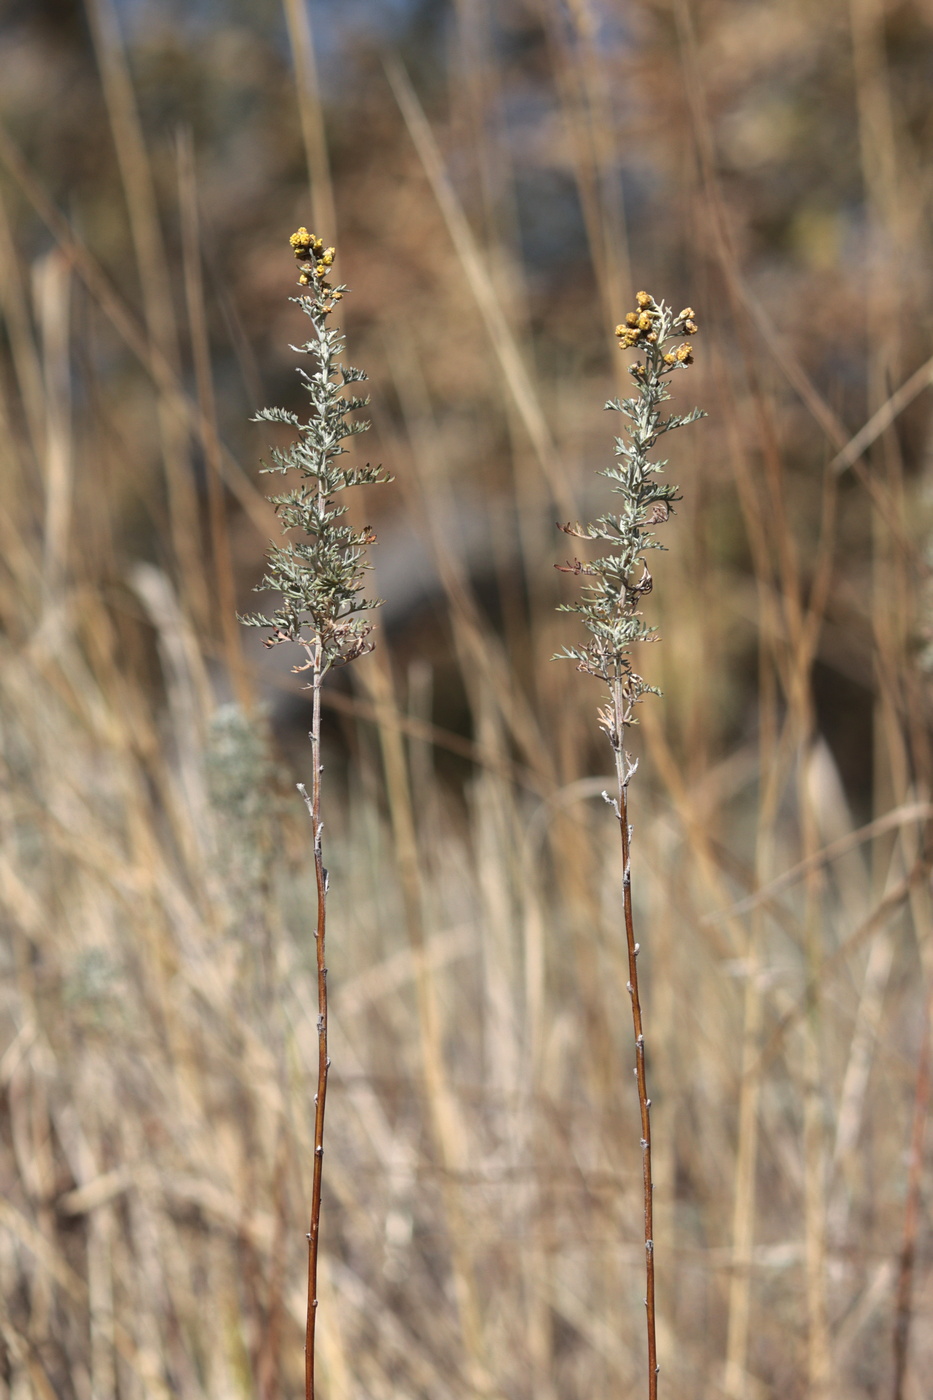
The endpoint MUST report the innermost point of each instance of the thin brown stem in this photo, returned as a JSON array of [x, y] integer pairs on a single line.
[[624, 771], [313, 804]]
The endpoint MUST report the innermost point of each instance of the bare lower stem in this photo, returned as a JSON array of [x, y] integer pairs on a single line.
[[320, 874], [624, 772]]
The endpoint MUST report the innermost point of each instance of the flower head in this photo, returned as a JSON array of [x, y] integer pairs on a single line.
[[315, 261]]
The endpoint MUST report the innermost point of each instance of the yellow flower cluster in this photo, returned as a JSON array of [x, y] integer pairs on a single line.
[[641, 327], [639, 324], [316, 260]]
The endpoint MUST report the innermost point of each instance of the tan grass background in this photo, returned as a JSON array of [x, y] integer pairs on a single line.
[[499, 179]]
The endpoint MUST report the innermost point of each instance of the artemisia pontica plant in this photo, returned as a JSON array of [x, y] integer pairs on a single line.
[[319, 575], [610, 610]]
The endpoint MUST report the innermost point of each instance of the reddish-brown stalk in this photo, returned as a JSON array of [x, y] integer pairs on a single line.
[[313, 803], [624, 771]]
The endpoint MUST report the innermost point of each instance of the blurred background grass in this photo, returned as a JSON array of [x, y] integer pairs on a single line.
[[499, 180]]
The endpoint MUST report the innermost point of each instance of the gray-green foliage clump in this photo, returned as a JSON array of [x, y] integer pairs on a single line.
[[320, 573], [609, 608], [242, 788]]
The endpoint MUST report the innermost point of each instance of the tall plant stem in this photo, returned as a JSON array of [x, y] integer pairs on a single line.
[[624, 771], [313, 804]]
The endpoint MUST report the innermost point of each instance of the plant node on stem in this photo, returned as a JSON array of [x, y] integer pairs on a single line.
[[609, 609]]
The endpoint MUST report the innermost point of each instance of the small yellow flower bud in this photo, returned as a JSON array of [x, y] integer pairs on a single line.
[[691, 327], [644, 299], [687, 314], [327, 257], [670, 358], [684, 354], [632, 318], [644, 321], [304, 280], [652, 338]]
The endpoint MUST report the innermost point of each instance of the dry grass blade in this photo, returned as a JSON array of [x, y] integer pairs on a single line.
[[210, 433], [150, 355], [52, 286], [313, 134], [883, 418], [891, 821], [503, 342]]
